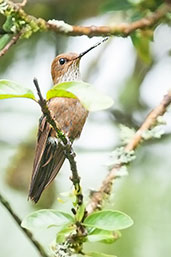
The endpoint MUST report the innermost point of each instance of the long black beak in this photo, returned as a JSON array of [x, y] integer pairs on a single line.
[[92, 47]]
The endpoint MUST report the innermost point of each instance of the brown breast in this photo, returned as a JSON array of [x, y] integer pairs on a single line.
[[69, 115]]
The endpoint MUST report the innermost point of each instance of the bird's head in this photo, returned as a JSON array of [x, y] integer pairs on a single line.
[[65, 67]]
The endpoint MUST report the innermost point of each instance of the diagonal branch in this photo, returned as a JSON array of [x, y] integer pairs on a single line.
[[106, 187], [14, 39], [6, 204]]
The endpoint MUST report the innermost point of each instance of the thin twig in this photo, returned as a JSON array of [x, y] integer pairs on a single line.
[[106, 187], [6, 204], [67, 145], [11, 43]]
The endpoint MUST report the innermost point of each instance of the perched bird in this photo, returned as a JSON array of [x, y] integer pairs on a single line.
[[69, 115]]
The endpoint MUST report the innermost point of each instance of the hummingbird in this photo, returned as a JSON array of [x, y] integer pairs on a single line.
[[69, 115]]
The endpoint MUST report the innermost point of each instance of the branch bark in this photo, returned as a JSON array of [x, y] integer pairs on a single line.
[[123, 29], [14, 39], [40, 248], [106, 187], [38, 24]]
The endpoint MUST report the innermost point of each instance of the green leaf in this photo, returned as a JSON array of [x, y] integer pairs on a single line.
[[4, 40], [90, 97], [62, 234], [115, 5], [10, 89], [8, 24], [96, 254], [104, 236], [80, 212], [108, 220], [46, 218], [146, 4], [141, 40]]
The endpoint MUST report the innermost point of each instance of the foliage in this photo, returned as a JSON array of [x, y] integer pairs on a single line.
[[17, 21], [10, 89], [91, 98], [141, 40], [101, 226], [4, 40], [108, 220], [47, 218], [133, 7]]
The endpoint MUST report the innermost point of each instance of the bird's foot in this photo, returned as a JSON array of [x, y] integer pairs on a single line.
[[68, 147], [53, 141], [67, 144]]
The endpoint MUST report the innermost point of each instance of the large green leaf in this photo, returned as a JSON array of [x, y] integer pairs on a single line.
[[105, 236], [108, 220], [46, 218], [10, 89], [90, 97], [97, 254]]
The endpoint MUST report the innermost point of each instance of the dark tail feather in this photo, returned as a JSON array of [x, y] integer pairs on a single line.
[[50, 164]]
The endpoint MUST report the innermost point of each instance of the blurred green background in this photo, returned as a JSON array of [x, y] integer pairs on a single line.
[[136, 72]]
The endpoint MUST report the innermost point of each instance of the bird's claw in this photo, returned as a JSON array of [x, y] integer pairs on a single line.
[[68, 147], [53, 141], [67, 143]]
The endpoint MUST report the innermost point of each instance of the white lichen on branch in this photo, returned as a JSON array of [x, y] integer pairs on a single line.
[[61, 25], [126, 134], [120, 156], [155, 132], [61, 250]]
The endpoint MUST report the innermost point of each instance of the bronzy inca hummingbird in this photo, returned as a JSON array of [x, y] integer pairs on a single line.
[[69, 115]]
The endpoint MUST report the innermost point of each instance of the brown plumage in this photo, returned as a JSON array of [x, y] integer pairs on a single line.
[[69, 115]]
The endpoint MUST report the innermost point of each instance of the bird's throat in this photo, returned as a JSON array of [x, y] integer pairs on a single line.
[[72, 74]]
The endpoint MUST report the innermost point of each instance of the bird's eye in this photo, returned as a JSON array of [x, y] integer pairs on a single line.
[[62, 61]]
